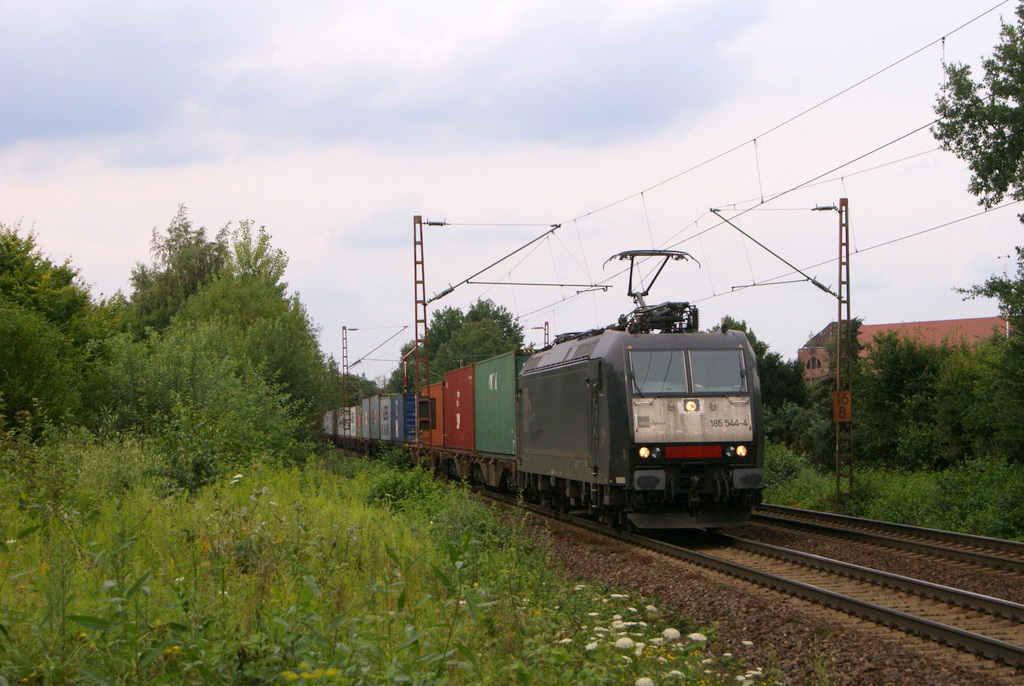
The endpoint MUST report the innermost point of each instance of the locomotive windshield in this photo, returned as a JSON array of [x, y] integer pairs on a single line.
[[717, 371], [658, 372]]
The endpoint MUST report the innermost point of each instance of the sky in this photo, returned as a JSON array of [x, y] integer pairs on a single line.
[[624, 123]]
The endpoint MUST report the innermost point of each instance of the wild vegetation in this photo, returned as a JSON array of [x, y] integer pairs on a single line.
[[165, 516], [346, 572]]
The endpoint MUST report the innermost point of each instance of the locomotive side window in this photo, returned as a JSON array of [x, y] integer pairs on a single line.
[[717, 371], [658, 371]]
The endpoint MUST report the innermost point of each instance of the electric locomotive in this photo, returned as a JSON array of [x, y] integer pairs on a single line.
[[645, 423]]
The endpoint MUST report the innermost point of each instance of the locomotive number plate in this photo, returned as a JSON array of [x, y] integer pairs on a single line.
[[720, 423]]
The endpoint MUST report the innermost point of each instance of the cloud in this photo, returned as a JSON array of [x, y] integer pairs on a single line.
[[169, 82]]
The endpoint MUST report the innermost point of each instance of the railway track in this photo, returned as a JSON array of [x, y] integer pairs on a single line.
[[984, 626], [991, 553]]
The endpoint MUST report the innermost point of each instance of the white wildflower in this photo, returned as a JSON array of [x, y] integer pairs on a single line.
[[651, 609], [564, 641], [747, 643], [671, 634], [624, 643], [676, 672], [645, 681], [600, 630], [591, 647], [616, 616], [696, 637], [593, 614], [632, 609], [619, 595], [580, 587]]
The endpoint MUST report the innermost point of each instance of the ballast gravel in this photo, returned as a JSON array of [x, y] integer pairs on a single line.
[[794, 641]]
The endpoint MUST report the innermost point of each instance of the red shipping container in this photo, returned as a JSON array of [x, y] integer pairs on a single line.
[[458, 415], [430, 416]]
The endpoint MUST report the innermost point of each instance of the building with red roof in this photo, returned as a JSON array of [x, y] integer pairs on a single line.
[[815, 357]]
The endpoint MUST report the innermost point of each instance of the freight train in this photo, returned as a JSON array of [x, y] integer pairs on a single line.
[[643, 424]]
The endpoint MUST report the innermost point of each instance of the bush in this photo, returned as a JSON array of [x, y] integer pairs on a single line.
[[791, 480], [402, 489]]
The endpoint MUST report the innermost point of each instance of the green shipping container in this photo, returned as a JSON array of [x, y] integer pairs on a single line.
[[495, 404]]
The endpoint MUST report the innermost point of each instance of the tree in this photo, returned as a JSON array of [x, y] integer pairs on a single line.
[[456, 339], [259, 322], [184, 261], [983, 122], [30, 280], [47, 320], [897, 404], [40, 374], [1009, 366]]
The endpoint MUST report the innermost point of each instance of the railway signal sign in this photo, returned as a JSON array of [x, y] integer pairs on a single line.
[[842, 407]]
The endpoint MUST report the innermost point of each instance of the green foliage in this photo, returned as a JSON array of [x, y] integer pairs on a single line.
[[47, 325], [30, 280], [346, 390], [401, 489], [980, 496], [288, 575], [791, 479], [254, 321], [184, 261], [897, 403], [455, 339], [40, 374], [981, 121], [210, 411]]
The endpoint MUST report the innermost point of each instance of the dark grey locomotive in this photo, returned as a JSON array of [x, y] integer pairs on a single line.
[[646, 422]]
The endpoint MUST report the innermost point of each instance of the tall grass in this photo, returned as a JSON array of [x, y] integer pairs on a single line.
[[363, 574], [983, 496]]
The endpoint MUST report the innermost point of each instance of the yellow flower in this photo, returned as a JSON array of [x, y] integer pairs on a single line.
[[290, 676]]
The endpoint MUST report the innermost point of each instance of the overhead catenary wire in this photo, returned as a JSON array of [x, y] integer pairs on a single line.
[[775, 279], [365, 358], [753, 140], [795, 117]]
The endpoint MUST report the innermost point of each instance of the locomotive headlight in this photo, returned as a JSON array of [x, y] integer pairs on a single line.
[[741, 450], [645, 452]]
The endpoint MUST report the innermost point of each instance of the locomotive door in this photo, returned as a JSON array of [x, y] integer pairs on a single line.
[[593, 381]]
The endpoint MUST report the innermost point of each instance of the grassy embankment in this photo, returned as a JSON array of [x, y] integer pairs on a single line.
[[983, 497], [360, 573]]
